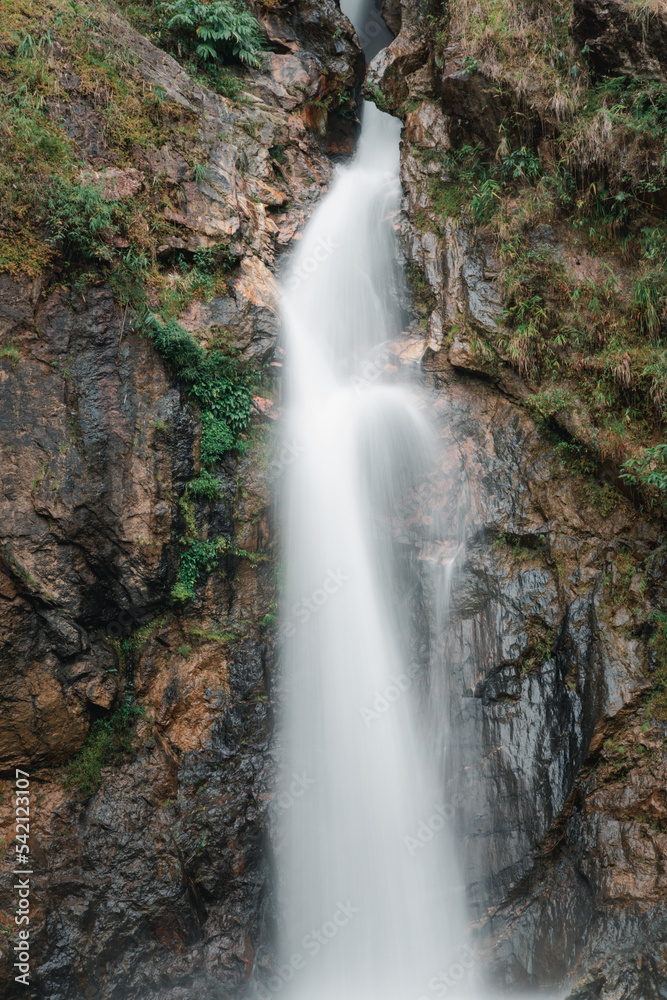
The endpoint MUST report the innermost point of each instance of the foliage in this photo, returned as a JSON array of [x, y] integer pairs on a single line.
[[201, 278], [178, 348], [198, 558], [528, 276], [475, 184], [549, 402], [109, 739], [206, 486], [130, 277], [222, 389], [649, 297], [217, 30], [521, 164], [218, 384], [79, 218], [217, 439], [657, 702], [647, 468]]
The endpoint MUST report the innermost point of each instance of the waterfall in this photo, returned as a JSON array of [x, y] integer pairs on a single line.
[[371, 906]]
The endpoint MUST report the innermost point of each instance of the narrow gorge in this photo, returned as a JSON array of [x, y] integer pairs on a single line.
[[201, 375]]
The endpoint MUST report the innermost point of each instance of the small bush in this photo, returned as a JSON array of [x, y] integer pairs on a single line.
[[130, 277], [648, 468], [216, 439], [222, 29], [178, 348], [109, 739], [521, 164], [79, 218], [199, 558], [205, 485]]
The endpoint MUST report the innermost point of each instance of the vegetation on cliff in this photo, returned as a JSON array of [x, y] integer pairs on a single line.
[[561, 160], [70, 93]]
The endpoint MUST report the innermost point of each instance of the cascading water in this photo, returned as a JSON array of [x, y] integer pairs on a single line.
[[371, 905]]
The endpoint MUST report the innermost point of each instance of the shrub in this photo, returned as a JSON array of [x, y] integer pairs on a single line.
[[519, 164], [649, 468], [78, 216], [178, 348], [129, 278], [199, 558], [205, 485], [108, 739], [216, 439], [218, 30]]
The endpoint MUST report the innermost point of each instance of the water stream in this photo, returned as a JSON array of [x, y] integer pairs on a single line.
[[371, 905]]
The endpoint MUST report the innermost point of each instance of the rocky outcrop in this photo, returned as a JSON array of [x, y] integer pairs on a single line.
[[556, 743], [548, 663], [555, 754], [623, 38]]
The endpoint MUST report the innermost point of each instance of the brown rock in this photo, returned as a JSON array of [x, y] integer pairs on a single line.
[[391, 12], [41, 721], [622, 38], [116, 184]]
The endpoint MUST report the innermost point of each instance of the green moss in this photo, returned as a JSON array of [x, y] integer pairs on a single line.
[[12, 353], [24, 253]]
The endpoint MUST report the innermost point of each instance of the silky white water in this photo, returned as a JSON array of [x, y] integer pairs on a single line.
[[371, 906]]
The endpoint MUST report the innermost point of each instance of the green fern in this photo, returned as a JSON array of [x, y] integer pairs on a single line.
[[222, 29]]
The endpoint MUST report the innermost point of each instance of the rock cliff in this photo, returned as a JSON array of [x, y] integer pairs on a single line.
[[525, 230]]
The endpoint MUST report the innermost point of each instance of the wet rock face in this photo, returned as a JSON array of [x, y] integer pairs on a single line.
[[621, 39], [154, 888], [85, 531], [97, 443], [541, 664]]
